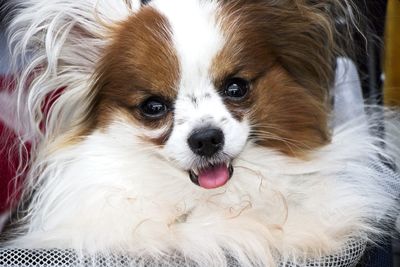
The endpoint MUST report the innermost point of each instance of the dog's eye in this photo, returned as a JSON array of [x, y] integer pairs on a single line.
[[236, 88], [154, 108], [145, 2]]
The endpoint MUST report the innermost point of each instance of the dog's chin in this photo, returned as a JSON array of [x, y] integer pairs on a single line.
[[212, 176]]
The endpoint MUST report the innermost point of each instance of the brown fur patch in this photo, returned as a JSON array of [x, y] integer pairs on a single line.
[[287, 50], [286, 116], [140, 63]]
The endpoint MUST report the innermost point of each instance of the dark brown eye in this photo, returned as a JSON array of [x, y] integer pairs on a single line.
[[236, 88], [144, 2], [154, 108]]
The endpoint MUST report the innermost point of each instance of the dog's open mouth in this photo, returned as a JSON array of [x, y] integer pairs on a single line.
[[213, 176]]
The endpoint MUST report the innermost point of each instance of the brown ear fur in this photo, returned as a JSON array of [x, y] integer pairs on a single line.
[[294, 42], [140, 63]]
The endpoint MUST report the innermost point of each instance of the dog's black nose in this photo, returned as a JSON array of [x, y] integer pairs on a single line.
[[206, 142]]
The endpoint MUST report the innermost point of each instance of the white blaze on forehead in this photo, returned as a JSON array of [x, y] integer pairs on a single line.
[[196, 36], [197, 40]]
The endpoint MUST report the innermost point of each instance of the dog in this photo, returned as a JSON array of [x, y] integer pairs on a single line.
[[196, 127]]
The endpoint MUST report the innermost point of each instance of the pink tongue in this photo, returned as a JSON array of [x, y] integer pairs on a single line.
[[214, 177]]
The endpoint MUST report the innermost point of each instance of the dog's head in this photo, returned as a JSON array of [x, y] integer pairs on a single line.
[[199, 80]]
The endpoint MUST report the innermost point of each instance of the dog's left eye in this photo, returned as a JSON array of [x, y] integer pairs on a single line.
[[154, 108], [236, 88]]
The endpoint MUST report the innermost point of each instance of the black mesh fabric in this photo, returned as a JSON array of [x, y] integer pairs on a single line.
[[348, 256]]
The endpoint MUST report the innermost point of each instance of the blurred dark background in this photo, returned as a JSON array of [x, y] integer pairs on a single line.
[[370, 51]]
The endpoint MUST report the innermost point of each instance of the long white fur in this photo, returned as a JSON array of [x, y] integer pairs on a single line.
[[114, 193], [107, 194]]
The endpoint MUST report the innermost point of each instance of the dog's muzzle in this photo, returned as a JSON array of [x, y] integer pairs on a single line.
[[207, 143]]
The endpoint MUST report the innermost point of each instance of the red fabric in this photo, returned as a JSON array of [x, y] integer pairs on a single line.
[[9, 159], [8, 162]]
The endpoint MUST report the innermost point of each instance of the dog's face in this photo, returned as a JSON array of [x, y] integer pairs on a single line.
[[199, 80]]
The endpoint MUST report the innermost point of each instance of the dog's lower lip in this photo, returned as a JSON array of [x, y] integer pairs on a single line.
[[195, 178], [230, 168]]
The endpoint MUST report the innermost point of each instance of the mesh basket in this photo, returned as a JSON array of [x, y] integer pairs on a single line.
[[348, 256]]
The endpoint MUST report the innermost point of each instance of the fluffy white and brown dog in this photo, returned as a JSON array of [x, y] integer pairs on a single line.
[[198, 127]]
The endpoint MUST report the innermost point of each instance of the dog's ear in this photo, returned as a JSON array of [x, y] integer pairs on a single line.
[[58, 27], [57, 44]]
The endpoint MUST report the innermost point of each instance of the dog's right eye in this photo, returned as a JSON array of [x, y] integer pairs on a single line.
[[154, 108], [236, 88]]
